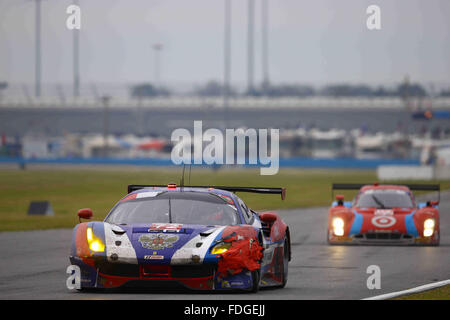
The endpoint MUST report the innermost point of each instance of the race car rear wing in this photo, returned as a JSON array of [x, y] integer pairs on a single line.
[[412, 187], [281, 191]]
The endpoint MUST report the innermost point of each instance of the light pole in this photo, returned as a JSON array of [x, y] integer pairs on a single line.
[[250, 52], [227, 59], [265, 44], [76, 60], [37, 63], [105, 101], [157, 47]]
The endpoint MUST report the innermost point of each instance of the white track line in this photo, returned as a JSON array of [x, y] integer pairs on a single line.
[[410, 291]]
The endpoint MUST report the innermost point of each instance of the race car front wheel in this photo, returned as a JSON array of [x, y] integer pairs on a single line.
[[256, 277], [285, 263]]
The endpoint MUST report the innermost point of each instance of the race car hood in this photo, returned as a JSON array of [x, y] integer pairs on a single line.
[[383, 220], [160, 243]]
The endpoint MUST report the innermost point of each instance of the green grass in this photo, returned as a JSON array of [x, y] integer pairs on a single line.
[[69, 190], [442, 293]]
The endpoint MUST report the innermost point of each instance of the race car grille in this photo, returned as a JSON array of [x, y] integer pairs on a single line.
[[182, 271], [119, 269], [199, 271], [156, 271], [383, 236]]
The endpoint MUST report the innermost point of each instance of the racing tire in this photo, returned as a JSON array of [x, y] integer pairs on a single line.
[[436, 244], [330, 243], [285, 263], [256, 278]]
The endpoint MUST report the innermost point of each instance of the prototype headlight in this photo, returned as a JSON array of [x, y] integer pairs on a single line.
[[95, 244], [428, 227], [221, 247], [338, 226]]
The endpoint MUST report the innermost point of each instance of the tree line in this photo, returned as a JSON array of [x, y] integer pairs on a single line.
[[216, 89]]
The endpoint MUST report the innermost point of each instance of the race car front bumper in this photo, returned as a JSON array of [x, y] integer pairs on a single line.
[[103, 274], [383, 238]]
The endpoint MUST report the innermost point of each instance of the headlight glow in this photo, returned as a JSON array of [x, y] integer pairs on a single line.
[[90, 234], [95, 244], [428, 227], [338, 223], [221, 248], [429, 224], [338, 226]]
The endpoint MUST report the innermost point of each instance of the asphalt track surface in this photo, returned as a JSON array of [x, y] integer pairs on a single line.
[[34, 263]]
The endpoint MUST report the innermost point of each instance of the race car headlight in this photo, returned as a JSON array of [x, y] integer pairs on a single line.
[[428, 227], [221, 247], [338, 226], [95, 244]]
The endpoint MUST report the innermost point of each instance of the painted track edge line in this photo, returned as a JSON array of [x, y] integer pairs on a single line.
[[410, 291]]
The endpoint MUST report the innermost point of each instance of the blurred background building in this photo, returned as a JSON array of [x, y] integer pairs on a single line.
[[136, 71]]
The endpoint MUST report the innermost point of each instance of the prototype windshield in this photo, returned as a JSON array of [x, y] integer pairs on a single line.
[[175, 207], [385, 199]]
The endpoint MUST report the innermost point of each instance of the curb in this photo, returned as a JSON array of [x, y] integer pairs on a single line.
[[410, 291]]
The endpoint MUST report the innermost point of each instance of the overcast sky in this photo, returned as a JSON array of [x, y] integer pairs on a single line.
[[310, 41]]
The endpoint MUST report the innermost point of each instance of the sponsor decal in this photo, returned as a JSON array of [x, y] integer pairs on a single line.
[[153, 257], [158, 241], [149, 194], [226, 198], [383, 221], [165, 227], [384, 212]]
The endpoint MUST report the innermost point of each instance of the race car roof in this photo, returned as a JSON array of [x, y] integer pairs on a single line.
[[366, 186], [357, 186]]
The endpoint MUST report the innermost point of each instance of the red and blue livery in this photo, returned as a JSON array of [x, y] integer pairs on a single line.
[[384, 214], [203, 238]]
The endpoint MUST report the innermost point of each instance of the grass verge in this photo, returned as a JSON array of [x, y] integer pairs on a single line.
[[442, 293], [71, 189]]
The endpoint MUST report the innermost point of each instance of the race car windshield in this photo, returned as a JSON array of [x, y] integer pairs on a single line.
[[175, 207], [385, 199]]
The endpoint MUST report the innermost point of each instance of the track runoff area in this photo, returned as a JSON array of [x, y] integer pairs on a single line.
[[317, 271]]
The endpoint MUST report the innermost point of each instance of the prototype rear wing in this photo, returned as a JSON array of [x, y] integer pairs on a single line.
[[280, 191], [412, 187]]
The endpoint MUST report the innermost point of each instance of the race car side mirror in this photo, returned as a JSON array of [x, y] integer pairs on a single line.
[[268, 217], [85, 213], [432, 203], [340, 199]]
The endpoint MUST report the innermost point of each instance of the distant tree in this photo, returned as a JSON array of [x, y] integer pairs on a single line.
[[287, 90], [382, 92], [254, 92], [411, 90], [212, 89], [362, 91], [283, 90], [3, 86], [445, 93], [147, 90], [346, 90]]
